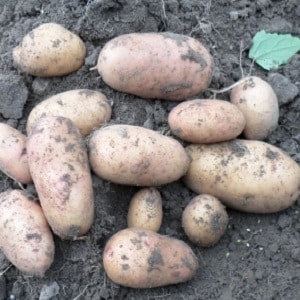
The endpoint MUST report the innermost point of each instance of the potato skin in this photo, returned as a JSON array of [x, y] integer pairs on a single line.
[[206, 121], [25, 236], [258, 102], [204, 220], [250, 176], [133, 155], [156, 65], [13, 154], [75, 105], [60, 170], [140, 258], [145, 209], [50, 50]]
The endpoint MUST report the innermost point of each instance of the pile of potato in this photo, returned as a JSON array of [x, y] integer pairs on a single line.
[[66, 140]]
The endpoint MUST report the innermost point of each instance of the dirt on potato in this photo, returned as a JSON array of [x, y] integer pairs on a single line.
[[259, 255]]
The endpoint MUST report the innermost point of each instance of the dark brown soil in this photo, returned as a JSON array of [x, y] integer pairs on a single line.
[[259, 256]]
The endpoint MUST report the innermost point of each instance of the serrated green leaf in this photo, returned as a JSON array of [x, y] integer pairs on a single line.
[[270, 50]]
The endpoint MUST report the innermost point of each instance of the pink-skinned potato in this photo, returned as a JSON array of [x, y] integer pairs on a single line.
[[25, 236], [156, 65], [13, 154], [61, 174], [141, 258]]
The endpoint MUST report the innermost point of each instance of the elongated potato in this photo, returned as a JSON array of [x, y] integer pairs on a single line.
[[140, 258], [156, 65], [50, 50], [25, 236], [145, 209], [251, 176], [87, 109], [60, 170], [206, 121], [134, 155], [258, 102], [13, 154]]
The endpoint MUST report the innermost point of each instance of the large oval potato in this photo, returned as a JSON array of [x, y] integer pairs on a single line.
[[156, 65], [25, 236], [13, 154], [247, 175], [50, 50], [60, 171], [145, 209], [258, 102], [87, 109], [134, 155], [206, 121], [140, 258]]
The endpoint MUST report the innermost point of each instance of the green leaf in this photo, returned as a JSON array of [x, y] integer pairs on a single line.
[[270, 50]]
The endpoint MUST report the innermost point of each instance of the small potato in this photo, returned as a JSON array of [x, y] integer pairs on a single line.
[[13, 156], [50, 50], [204, 220], [156, 65], [206, 121], [258, 102], [60, 171], [25, 236], [133, 155], [145, 210], [251, 176], [87, 109], [140, 258]]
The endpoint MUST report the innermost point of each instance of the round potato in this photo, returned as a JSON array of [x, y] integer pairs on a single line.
[[140, 258], [204, 220], [258, 102], [156, 65], [133, 155], [251, 176], [75, 105], [60, 171], [145, 209], [25, 236], [206, 121], [50, 50], [13, 154]]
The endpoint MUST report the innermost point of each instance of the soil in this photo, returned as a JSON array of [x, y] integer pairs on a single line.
[[259, 256]]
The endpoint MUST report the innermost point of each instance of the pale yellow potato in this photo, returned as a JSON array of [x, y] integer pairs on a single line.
[[25, 236], [13, 154], [50, 50], [206, 121], [145, 209], [156, 65], [140, 258], [87, 109], [247, 175], [60, 171], [133, 155], [204, 220], [258, 102]]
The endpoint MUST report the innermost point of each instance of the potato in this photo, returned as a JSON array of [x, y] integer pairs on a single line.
[[204, 220], [13, 156], [50, 50], [145, 209], [156, 65], [87, 109], [141, 258], [206, 121], [133, 155], [250, 176], [258, 102], [60, 170], [25, 236]]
